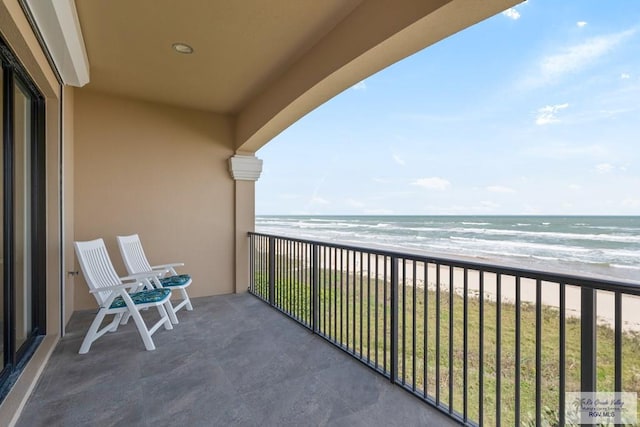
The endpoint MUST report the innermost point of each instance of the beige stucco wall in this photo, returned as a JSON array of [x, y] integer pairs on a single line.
[[161, 172], [68, 185], [16, 31]]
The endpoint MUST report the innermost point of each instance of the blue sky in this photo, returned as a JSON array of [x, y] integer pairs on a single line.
[[533, 111]]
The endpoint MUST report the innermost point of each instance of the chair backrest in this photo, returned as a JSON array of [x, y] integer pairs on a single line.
[[132, 254], [97, 267]]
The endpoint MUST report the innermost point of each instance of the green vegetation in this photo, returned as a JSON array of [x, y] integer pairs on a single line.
[[355, 312]]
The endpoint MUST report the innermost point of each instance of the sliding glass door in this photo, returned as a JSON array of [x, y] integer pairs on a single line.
[[3, 311], [22, 231], [22, 123]]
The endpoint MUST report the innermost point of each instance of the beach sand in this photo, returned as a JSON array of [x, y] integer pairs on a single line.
[[354, 265]]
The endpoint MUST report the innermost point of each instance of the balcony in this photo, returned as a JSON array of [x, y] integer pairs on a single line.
[[486, 344], [398, 323], [231, 361]]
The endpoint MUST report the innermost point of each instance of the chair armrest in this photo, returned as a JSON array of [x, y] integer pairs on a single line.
[[167, 266], [110, 288], [141, 275]]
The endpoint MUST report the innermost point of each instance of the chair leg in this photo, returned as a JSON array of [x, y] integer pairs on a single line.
[[90, 337], [171, 312], [166, 313], [142, 329], [125, 318], [185, 297], [115, 322]]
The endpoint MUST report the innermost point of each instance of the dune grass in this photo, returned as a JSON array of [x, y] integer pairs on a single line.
[[354, 311]]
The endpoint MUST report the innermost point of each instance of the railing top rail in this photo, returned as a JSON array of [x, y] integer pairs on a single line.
[[611, 285]]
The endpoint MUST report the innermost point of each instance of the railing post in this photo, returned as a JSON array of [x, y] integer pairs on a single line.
[[272, 270], [393, 371], [314, 288], [252, 265], [588, 340]]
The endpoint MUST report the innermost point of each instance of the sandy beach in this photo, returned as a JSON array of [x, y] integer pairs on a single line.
[[354, 265]]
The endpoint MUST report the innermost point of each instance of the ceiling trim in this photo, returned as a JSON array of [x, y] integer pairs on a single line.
[[57, 21]]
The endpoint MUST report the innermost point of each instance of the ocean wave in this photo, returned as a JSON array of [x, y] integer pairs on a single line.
[[549, 234], [523, 245], [574, 245], [626, 267], [623, 229]]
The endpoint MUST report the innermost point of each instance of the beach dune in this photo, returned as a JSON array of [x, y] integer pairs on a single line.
[[419, 273]]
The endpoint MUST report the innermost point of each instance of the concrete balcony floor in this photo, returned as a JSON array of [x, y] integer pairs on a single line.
[[231, 361]]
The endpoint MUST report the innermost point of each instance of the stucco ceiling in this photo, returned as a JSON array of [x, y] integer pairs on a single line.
[[262, 63], [239, 46]]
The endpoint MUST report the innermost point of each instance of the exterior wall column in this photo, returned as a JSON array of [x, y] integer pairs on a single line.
[[245, 170]]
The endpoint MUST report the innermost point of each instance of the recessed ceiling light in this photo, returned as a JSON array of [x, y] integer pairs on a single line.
[[182, 48]]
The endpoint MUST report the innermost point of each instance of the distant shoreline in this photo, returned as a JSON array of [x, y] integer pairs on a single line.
[[581, 247], [556, 267], [440, 216], [600, 246]]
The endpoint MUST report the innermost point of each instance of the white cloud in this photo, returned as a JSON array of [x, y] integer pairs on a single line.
[[433, 183], [489, 204], [500, 189], [575, 187], [548, 114], [511, 13], [631, 203], [625, 76], [399, 160], [604, 168], [355, 203], [581, 24], [572, 59], [359, 86], [317, 200]]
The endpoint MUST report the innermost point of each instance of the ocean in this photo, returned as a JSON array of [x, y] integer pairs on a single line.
[[594, 246]]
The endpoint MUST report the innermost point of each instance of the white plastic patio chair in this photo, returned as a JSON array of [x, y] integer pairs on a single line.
[[166, 276], [113, 297]]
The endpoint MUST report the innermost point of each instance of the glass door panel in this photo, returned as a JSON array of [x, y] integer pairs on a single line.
[[22, 265], [2, 284], [22, 218]]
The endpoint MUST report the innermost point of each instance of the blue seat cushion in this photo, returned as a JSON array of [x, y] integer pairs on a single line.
[[143, 297], [179, 280]]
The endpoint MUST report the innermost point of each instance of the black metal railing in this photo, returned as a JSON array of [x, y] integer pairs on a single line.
[[486, 344]]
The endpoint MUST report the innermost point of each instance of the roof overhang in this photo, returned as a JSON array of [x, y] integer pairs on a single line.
[[57, 22], [262, 64]]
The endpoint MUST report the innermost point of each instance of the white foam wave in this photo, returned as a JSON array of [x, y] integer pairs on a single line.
[[626, 267], [549, 234], [523, 245]]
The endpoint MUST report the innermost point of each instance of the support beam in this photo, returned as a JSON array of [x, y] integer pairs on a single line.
[[245, 170]]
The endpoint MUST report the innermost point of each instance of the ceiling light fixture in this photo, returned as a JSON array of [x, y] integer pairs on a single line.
[[182, 48]]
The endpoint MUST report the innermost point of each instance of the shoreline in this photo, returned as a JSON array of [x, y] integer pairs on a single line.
[[601, 246], [557, 267], [550, 290]]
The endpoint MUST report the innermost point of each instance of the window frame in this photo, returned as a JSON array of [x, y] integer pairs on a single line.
[[15, 358]]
